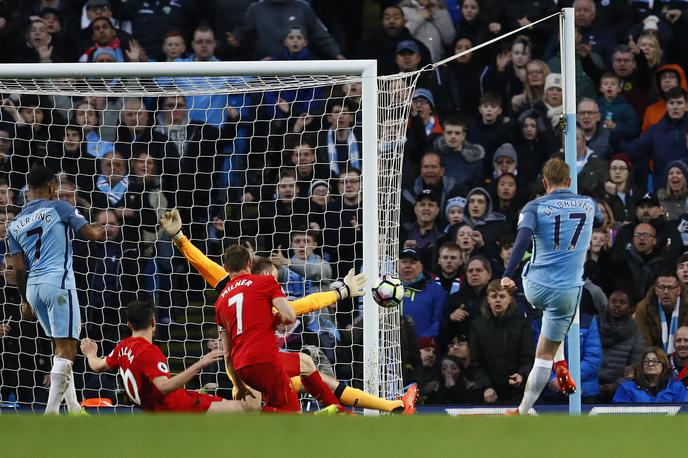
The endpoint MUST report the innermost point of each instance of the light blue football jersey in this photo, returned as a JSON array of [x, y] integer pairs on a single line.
[[42, 232], [562, 224]]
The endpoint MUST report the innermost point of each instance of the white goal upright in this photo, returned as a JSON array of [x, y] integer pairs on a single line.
[[263, 153]]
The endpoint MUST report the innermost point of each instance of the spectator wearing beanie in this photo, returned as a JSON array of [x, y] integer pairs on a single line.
[[504, 161], [553, 101], [673, 196], [454, 211]]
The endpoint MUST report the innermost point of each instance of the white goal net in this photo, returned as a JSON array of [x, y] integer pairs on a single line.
[[280, 158]]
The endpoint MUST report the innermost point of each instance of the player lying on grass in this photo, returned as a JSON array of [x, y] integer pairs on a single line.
[[145, 373], [297, 365]]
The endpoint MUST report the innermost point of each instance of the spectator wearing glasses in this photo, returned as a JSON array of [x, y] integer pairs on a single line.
[[663, 311], [634, 266], [620, 192], [653, 381], [596, 137]]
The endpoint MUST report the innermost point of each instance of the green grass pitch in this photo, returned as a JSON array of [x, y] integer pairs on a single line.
[[353, 437]]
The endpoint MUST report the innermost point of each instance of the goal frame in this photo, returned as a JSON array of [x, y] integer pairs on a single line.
[[366, 69]]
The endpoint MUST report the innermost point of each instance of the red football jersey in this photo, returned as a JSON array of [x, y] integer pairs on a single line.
[[139, 363], [244, 310]]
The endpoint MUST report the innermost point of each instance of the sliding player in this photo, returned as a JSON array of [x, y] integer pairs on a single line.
[[145, 373], [560, 224], [40, 242], [297, 365]]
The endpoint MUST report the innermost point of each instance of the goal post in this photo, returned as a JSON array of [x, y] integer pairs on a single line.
[[382, 113]]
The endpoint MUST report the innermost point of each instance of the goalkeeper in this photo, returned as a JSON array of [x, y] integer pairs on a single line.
[[217, 277]]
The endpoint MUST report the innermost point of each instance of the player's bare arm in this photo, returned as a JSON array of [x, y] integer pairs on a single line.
[[284, 309], [19, 267], [166, 385], [90, 350], [92, 231]]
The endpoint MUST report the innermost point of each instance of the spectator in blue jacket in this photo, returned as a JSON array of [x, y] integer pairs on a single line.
[[591, 355], [665, 141], [424, 300], [653, 381]]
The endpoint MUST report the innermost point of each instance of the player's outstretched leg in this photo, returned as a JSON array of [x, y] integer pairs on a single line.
[[312, 382]]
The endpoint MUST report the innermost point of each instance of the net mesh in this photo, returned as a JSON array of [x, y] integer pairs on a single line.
[[271, 162]]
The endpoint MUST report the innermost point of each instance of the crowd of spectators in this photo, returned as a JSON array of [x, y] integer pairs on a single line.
[[280, 172]]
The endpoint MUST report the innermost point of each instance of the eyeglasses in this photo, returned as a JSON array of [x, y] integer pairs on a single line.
[[535, 72], [620, 168], [588, 113], [651, 362], [666, 287], [643, 235]]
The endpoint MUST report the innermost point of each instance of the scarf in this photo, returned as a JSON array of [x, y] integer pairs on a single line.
[[354, 153], [614, 331], [668, 331], [114, 193]]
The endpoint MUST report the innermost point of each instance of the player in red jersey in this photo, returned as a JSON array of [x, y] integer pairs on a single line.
[[145, 373], [244, 314]]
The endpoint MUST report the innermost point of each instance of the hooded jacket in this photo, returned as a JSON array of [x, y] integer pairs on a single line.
[[464, 166], [491, 225], [675, 206], [655, 112], [622, 345]]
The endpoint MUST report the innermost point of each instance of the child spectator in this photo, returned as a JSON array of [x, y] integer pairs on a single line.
[[618, 114], [453, 211], [173, 46], [463, 161], [502, 347], [492, 129]]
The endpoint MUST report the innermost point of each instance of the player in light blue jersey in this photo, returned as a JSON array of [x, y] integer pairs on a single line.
[[40, 243], [560, 227]]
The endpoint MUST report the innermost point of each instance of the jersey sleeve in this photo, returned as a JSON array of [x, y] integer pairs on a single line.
[[273, 289], [313, 302], [13, 246], [112, 360], [213, 273], [528, 217], [70, 215], [154, 364]]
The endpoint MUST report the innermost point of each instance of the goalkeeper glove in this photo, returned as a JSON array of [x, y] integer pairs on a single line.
[[353, 285], [171, 223]]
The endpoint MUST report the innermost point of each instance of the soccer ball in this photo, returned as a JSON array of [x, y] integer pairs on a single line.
[[388, 291]]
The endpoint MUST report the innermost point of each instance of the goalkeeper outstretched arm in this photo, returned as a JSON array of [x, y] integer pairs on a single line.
[[217, 276]]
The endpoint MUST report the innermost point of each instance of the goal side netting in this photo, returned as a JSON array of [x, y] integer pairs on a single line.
[[271, 159]]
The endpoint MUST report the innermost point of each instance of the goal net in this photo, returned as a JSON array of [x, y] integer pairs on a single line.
[[298, 161]]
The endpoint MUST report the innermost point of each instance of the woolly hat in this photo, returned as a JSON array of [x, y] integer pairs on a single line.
[[457, 201], [506, 150], [553, 80]]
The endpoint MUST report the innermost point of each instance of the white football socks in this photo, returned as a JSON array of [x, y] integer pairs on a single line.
[[537, 379], [70, 394], [59, 383], [559, 355]]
